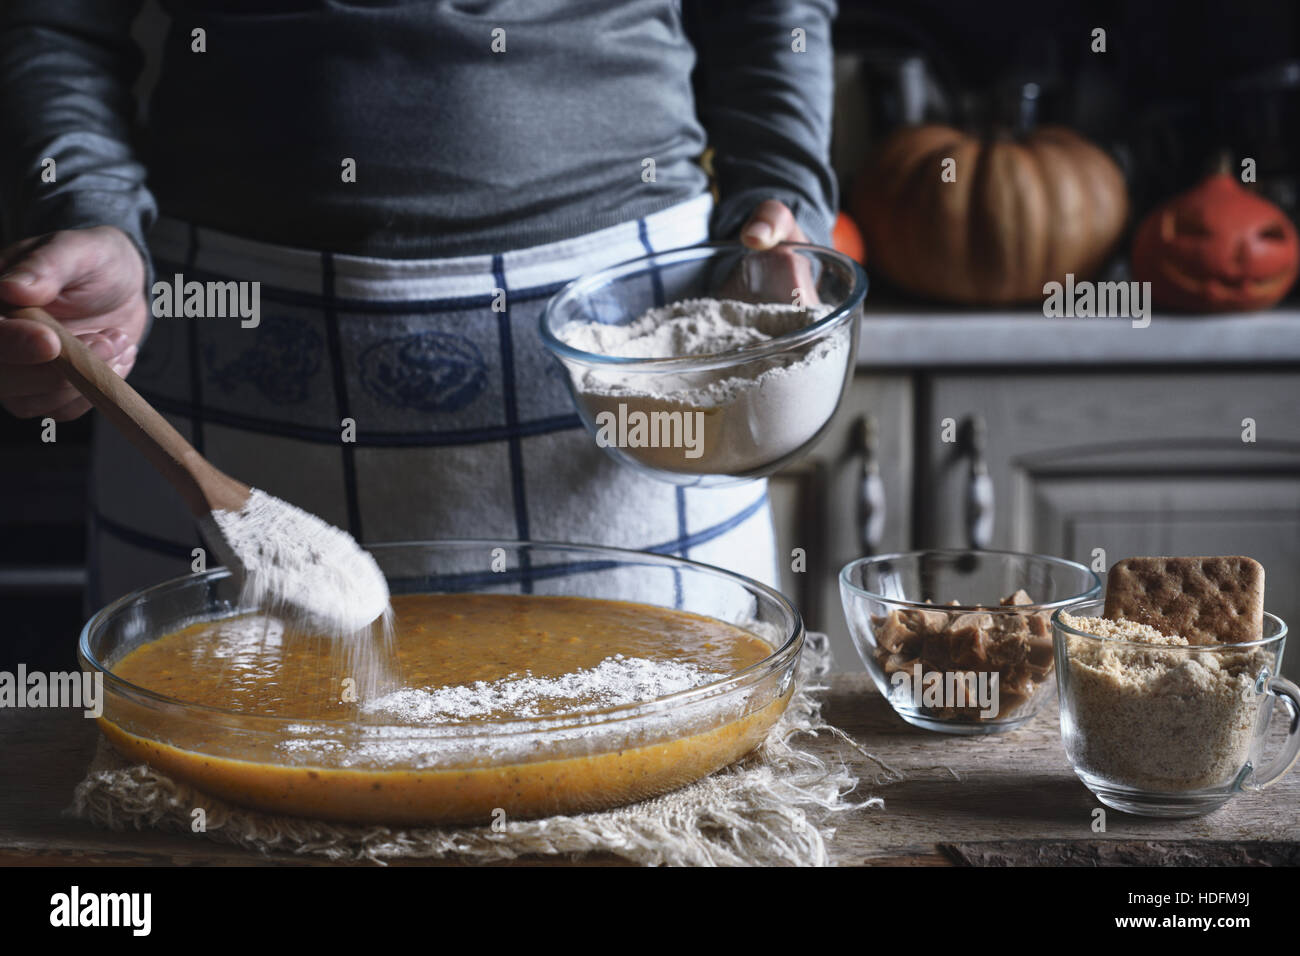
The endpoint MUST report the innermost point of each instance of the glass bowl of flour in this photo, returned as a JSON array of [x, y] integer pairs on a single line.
[[713, 364]]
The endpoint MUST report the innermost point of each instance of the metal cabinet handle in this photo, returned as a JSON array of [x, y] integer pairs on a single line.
[[979, 485], [871, 488]]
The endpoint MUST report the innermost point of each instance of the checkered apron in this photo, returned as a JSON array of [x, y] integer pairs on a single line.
[[464, 427]]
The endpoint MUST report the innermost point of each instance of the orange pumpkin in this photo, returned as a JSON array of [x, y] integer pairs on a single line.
[[1217, 247], [847, 238], [1016, 215]]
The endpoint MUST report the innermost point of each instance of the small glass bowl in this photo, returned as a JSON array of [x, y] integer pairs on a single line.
[[739, 433], [1164, 730], [391, 773], [974, 667]]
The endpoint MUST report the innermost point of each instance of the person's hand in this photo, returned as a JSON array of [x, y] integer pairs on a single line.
[[770, 224], [91, 280]]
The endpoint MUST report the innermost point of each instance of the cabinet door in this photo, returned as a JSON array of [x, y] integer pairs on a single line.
[[815, 503], [1095, 467]]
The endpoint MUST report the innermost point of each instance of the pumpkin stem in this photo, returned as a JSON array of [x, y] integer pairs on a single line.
[[1019, 108], [1223, 163]]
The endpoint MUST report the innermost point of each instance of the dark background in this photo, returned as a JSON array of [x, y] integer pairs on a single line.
[[1180, 81]]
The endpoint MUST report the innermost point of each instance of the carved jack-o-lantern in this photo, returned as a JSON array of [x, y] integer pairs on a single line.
[[1216, 248]]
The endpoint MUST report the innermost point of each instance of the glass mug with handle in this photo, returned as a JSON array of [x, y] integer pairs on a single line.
[[1171, 730]]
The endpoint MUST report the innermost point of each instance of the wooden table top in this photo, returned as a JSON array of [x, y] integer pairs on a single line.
[[1002, 799]]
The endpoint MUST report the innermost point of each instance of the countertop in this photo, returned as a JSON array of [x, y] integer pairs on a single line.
[[1007, 799], [899, 335]]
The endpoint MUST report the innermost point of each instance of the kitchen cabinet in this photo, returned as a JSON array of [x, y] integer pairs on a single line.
[[1091, 461], [817, 505], [42, 546]]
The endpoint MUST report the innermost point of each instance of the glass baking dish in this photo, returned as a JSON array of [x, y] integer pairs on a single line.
[[348, 770]]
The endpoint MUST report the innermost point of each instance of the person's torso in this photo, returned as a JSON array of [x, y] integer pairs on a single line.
[[473, 127]]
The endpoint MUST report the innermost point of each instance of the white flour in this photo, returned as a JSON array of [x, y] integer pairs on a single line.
[[614, 682], [440, 727], [313, 575], [752, 414], [690, 327]]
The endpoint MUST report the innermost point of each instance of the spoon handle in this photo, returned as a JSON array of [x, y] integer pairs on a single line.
[[201, 485]]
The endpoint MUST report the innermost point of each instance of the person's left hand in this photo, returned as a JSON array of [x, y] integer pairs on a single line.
[[770, 224]]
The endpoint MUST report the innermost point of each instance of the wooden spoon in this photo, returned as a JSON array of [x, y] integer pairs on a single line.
[[204, 488], [316, 574]]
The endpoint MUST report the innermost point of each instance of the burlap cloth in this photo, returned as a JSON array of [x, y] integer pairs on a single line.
[[776, 806]]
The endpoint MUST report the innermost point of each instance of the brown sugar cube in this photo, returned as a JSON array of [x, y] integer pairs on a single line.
[[973, 623], [892, 634], [1040, 625], [1040, 650], [936, 649], [1208, 600], [1016, 600], [1013, 692], [970, 654], [968, 639], [1037, 672], [897, 662], [1011, 625], [1010, 653], [969, 648], [931, 622]]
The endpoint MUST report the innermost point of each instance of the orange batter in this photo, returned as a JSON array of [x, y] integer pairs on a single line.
[[248, 665]]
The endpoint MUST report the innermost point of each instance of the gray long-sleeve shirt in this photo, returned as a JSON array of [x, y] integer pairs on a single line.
[[465, 139]]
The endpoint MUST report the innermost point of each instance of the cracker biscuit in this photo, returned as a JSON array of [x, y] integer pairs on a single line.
[[1215, 600]]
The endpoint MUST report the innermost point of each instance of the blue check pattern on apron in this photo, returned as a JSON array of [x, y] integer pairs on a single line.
[[463, 424]]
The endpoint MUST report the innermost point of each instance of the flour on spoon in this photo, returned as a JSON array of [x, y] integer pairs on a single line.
[[312, 575]]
